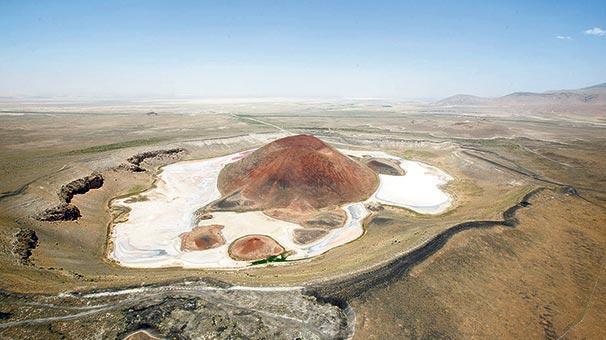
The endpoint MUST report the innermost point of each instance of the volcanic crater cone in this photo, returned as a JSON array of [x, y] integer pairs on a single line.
[[300, 174]]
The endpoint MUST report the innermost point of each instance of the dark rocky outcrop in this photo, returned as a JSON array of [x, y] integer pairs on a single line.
[[200, 215], [80, 186], [66, 211], [385, 167], [188, 309], [571, 191], [374, 206], [233, 201], [24, 242], [62, 212], [134, 162], [205, 217]]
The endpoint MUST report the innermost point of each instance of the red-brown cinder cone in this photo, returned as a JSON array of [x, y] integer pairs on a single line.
[[298, 172]]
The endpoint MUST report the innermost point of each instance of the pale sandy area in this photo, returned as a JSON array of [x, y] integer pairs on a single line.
[[420, 189], [149, 238]]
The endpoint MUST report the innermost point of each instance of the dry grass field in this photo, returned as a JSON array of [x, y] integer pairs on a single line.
[[541, 276]]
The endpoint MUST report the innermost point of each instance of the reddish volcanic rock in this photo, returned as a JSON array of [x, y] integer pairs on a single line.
[[254, 247], [300, 173], [202, 238]]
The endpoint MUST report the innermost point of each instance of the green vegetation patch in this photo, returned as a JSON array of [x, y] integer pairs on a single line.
[[274, 258], [115, 146], [137, 188], [418, 154]]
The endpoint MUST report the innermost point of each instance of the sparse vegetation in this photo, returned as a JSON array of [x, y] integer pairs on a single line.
[[115, 146], [135, 189], [558, 237]]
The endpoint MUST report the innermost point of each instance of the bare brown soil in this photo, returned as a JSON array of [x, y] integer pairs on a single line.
[[309, 235], [254, 247], [202, 238]]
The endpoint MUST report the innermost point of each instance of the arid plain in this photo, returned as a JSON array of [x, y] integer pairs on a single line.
[[519, 253]]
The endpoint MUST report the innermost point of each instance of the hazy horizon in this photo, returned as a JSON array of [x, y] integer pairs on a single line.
[[298, 50]]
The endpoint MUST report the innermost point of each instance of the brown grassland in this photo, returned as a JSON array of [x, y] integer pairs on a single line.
[[543, 277]]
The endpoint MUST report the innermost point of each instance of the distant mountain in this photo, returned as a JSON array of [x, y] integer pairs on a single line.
[[601, 86], [546, 98], [462, 99], [592, 95]]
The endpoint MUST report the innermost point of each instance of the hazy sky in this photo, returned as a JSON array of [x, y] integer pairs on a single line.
[[395, 49]]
